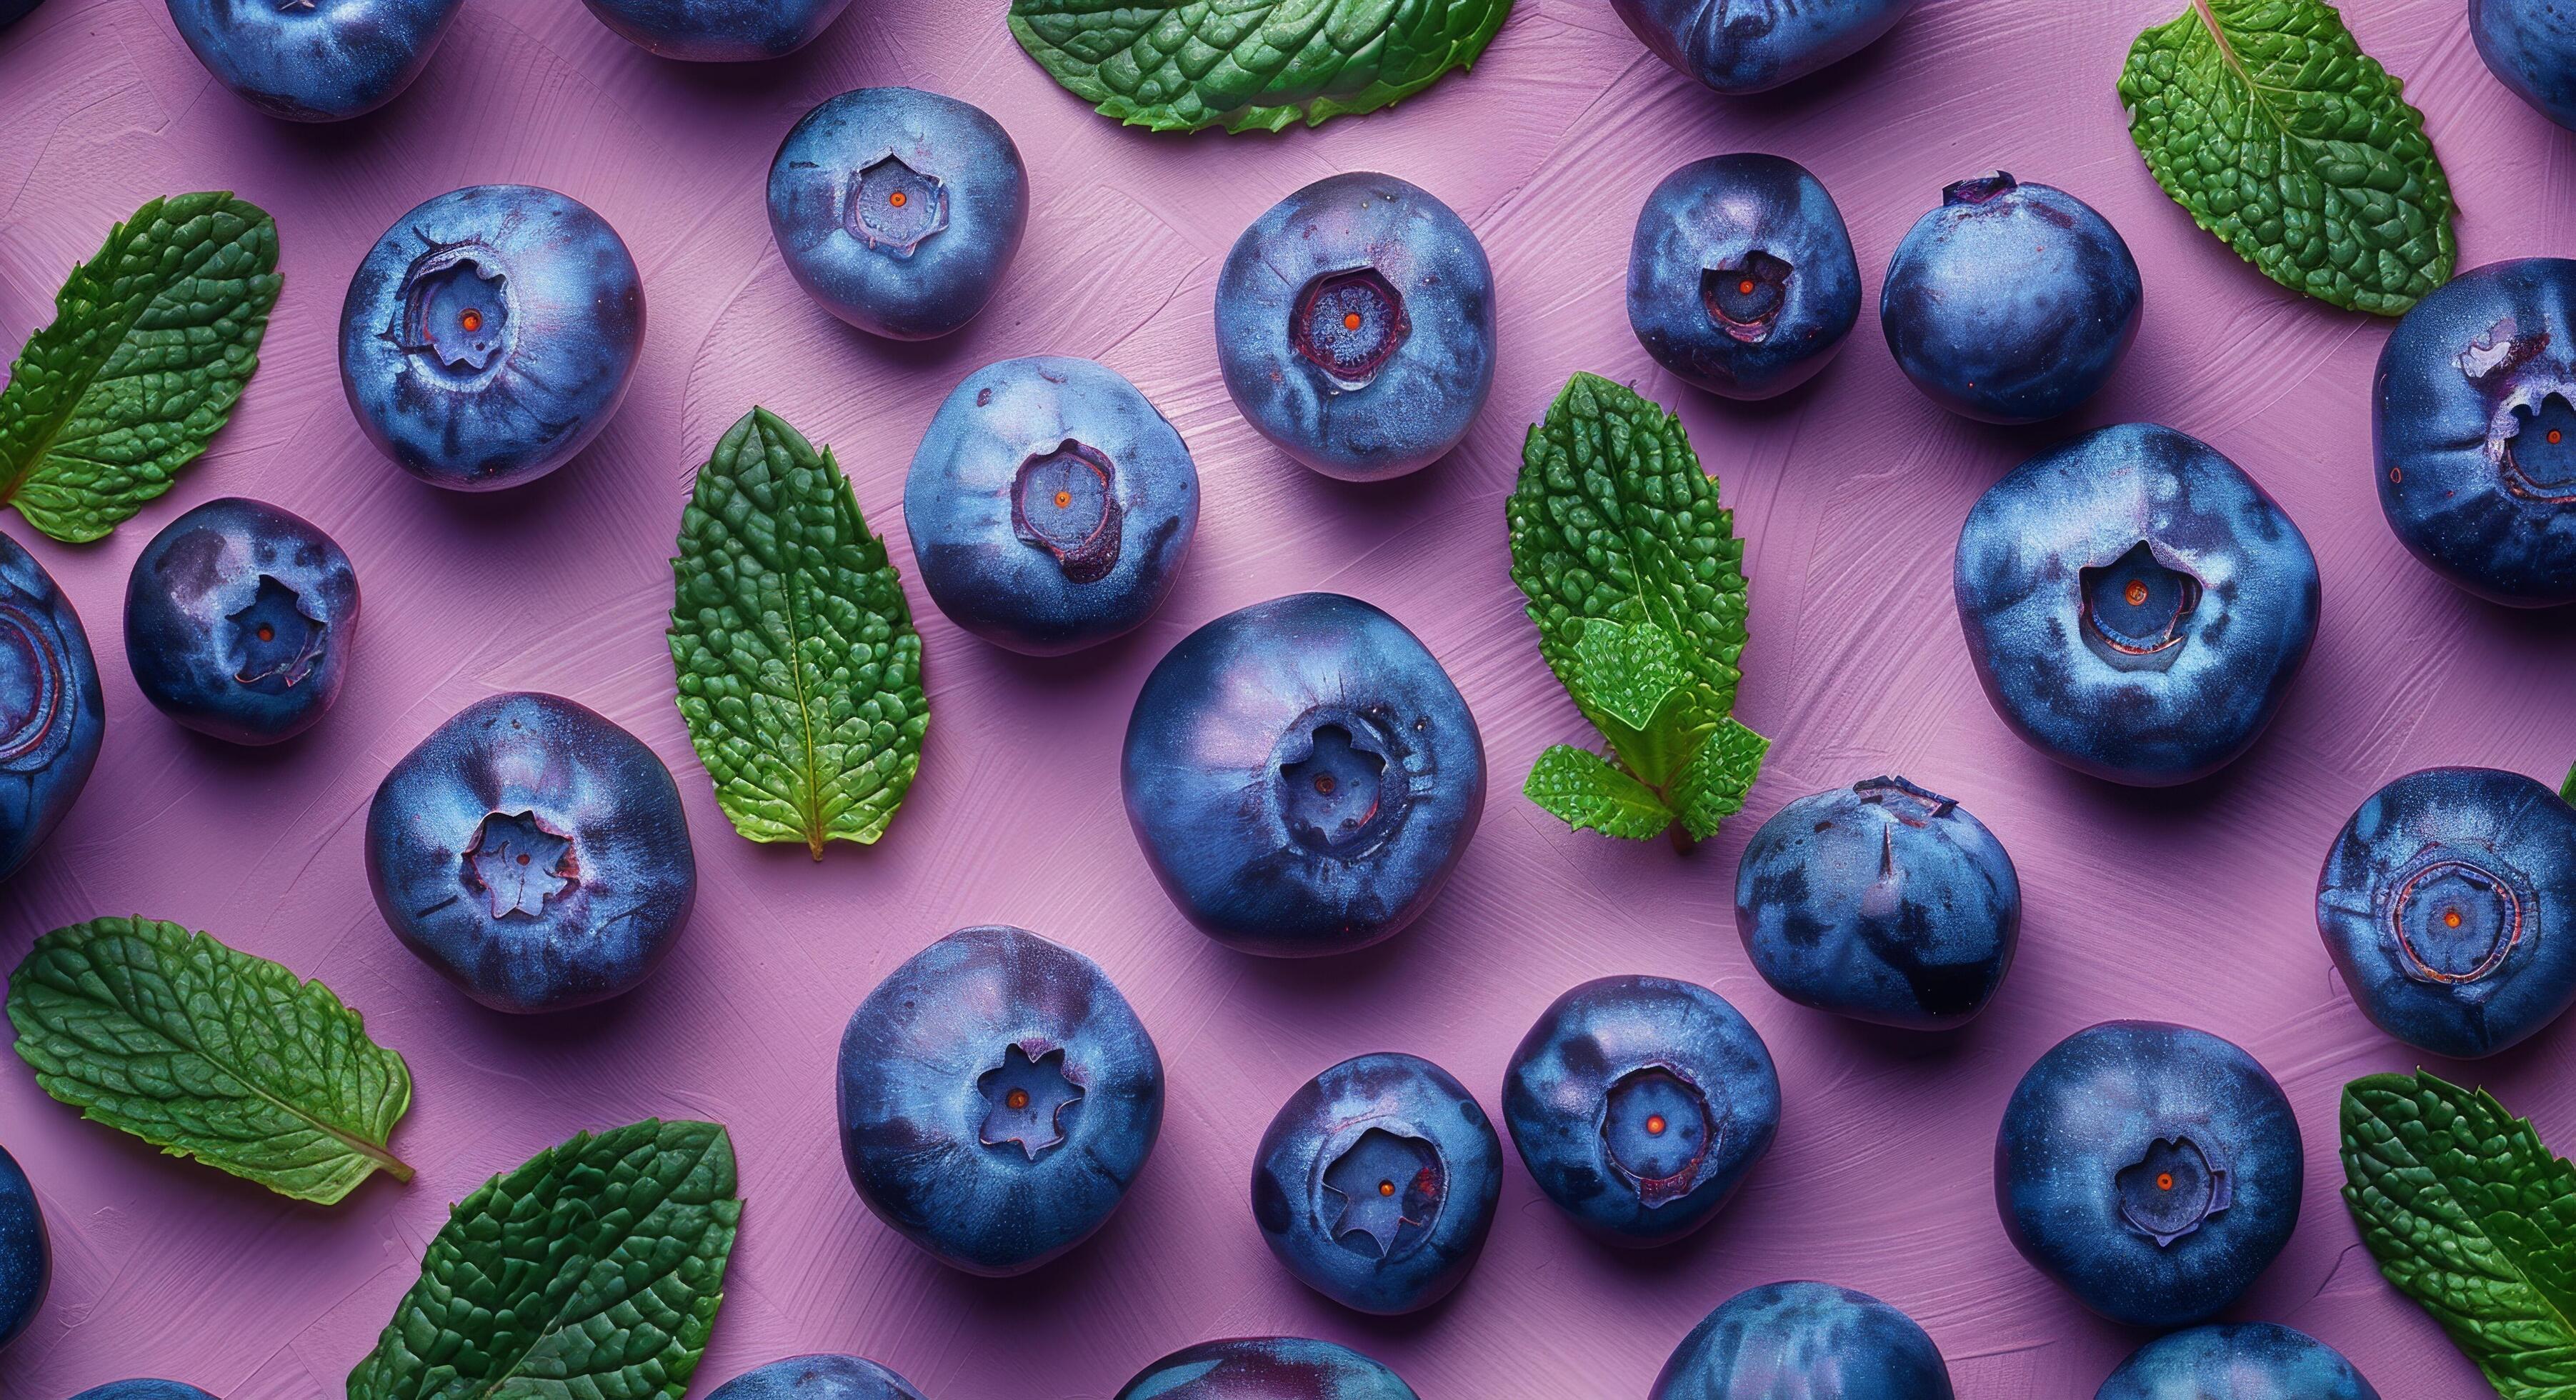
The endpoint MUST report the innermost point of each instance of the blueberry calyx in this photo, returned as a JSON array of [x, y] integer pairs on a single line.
[[39, 674], [894, 208], [455, 310], [1349, 324], [1343, 783], [1390, 1184], [1061, 502], [276, 644], [1745, 297], [2172, 1190], [1028, 1096], [519, 863], [1657, 1132], [2138, 605], [1979, 189], [2455, 919], [2536, 446]]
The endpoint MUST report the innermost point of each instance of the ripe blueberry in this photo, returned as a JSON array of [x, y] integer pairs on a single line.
[[26, 1255], [314, 60], [240, 620], [817, 1378], [1804, 1341], [51, 714], [1741, 277], [1739, 48], [718, 31], [2236, 1361], [1266, 1368], [2530, 45]]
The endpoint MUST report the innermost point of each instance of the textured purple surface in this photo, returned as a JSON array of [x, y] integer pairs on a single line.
[[2192, 906]]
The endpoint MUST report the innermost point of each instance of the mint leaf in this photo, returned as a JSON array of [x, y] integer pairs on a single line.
[[209, 1053], [592, 1272], [2469, 1215], [2268, 124], [1250, 65], [1579, 788], [151, 343], [2567, 787], [799, 671], [1714, 784]]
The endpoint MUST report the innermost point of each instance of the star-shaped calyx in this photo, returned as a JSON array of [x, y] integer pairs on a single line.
[[2172, 1190], [894, 208], [1027, 1101], [518, 864], [276, 644], [1387, 1183]]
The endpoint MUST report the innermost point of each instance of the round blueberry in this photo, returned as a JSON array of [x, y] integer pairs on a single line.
[[1639, 1104], [534, 853], [2530, 45], [2135, 605], [1741, 278], [2473, 421], [51, 713], [1050, 505], [1302, 776], [1266, 1368], [239, 621], [1753, 48], [2152, 1170], [314, 60], [490, 335], [718, 31], [2010, 303], [899, 210], [998, 1097], [1804, 1341], [1881, 902], [143, 1390], [26, 1255], [2236, 1361], [1355, 326], [818, 1378], [2446, 903]]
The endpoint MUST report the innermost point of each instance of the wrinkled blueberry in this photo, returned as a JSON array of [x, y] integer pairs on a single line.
[[1804, 1341], [2135, 605], [1266, 1368], [1050, 505], [534, 853], [490, 335], [1355, 326], [1741, 278], [2236, 1361], [51, 714], [1302, 776], [26, 1255], [314, 60], [818, 1378], [143, 1390], [239, 621], [1740, 46], [2530, 45], [718, 31]]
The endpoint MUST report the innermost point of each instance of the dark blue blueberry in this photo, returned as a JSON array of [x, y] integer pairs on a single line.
[[1639, 1104], [490, 334], [2152, 1170], [1302, 775], [1741, 277], [2236, 1361], [2010, 303], [899, 210], [1804, 1341], [718, 31], [1050, 505], [534, 853], [239, 621], [1882, 902], [314, 60], [12, 11], [997, 1097], [2531, 47], [818, 1378], [1266, 1368], [2473, 418], [143, 1390], [26, 1255], [51, 714], [1355, 326], [2447, 904], [1739, 46], [2135, 605]]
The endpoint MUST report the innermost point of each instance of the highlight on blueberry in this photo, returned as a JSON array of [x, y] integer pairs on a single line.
[[2236, 1361], [1739, 48], [718, 31], [1266, 1368], [1804, 1341], [312, 60], [240, 621], [51, 714], [819, 1377], [26, 1253], [1741, 277]]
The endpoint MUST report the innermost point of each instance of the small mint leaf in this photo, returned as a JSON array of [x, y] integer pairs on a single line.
[[2567, 787], [1627, 672], [1714, 784], [1581, 789]]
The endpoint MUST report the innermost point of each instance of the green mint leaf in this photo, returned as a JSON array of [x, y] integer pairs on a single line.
[[1579, 788], [2268, 124], [209, 1053], [799, 671], [1714, 784], [2567, 787], [2472, 1217], [151, 343], [591, 1272], [1628, 671], [1250, 65]]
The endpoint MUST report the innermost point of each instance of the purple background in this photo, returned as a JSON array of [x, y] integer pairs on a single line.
[[2192, 906]]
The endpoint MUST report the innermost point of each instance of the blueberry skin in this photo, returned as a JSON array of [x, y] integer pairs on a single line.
[[718, 31], [1392, 393], [2136, 606], [2092, 1137], [1736, 47], [2494, 847], [490, 335], [1266, 1368], [997, 1098], [1741, 277], [317, 61], [196, 604], [822, 1377], [1882, 902], [2530, 45], [998, 553], [51, 714], [534, 853], [2236, 1361], [1804, 1341], [2010, 303], [899, 210], [1302, 776], [144, 1390], [26, 1253], [2470, 387]]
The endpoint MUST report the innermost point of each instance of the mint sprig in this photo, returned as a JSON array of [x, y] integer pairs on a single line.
[[2472, 1217], [2268, 124], [1636, 581]]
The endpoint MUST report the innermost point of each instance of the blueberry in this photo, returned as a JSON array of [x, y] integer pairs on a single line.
[[239, 620], [2010, 303], [899, 210], [2530, 45], [818, 1378], [998, 1097], [2135, 605], [1355, 326], [534, 853], [1741, 278], [26, 1255], [1804, 1341], [1302, 775], [1050, 505], [1738, 48], [1881, 902], [143, 1390], [2473, 418], [2236, 1361], [1266, 1368], [314, 60], [51, 714], [490, 335], [718, 31], [2447, 902], [2153, 1170]]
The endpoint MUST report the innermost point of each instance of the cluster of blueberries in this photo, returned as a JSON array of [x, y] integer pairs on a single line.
[[1303, 776]]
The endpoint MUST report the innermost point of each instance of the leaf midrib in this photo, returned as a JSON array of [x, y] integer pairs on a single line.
[[810, 762], [2254, 90]]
